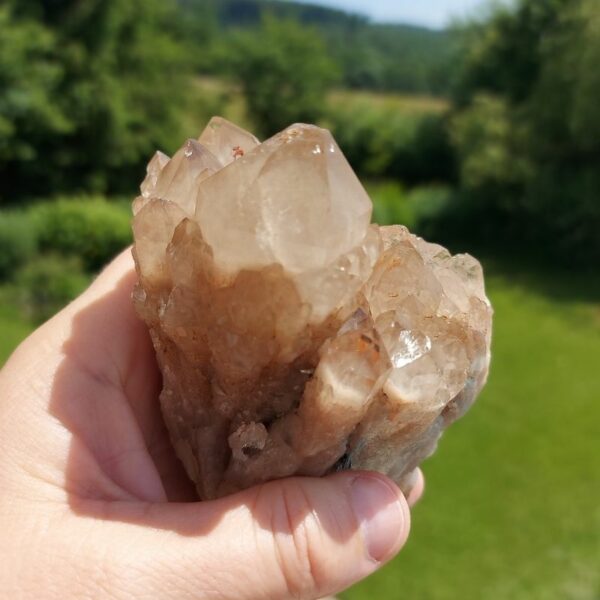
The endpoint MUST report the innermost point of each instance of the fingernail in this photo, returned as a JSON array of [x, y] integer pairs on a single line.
[[379, 511]]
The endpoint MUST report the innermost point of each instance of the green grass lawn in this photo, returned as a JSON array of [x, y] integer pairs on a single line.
[[512, 508]]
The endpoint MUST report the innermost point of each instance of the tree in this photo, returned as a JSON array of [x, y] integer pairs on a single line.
[[29, 82], [527, 128], [92, 88], [284, 72]]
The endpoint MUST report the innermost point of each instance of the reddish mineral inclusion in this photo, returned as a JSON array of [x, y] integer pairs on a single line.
[[293, 336]]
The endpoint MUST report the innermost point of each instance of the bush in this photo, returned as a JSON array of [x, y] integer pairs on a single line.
[[17, 242], [390, 143], [90, 229], [427, 202], [49, 283], [393, 205], [390, 204]]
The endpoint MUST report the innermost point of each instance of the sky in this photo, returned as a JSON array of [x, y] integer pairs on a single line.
[[431, 13]]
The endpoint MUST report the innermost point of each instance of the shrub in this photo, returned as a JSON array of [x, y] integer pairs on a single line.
[[90, 229], [433, 155], [17, 242], [49, 283], [390, 204], [427, 203], [391, 143], [393, 205]]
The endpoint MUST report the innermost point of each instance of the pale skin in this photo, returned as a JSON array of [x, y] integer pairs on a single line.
[[94, 504]]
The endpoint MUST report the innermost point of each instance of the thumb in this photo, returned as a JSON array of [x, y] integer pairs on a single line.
[[294, 538]]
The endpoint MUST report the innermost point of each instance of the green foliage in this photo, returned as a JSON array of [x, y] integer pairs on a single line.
[[17, 242], [92, 230], [428, 201], [393, 205], [29, 83], [15, 327], [371, 55], [88, 90], [394, 144], [390, 204], [410, 59], [49, 283], [527, 131], [489, 147], [503, 55], [284, 72]]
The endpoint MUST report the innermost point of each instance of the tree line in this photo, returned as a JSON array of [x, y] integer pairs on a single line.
[[374, 56], [89, 88], [526, 128]]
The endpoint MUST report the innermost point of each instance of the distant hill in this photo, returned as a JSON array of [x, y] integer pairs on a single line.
[[372, 56], [247, 13]]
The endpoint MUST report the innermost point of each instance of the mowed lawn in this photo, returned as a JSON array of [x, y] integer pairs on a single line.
[[512, 508]]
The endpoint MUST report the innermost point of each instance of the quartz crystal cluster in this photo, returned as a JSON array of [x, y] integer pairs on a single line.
[[293, 336]]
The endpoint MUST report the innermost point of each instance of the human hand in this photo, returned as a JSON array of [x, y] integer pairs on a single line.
[[94, 503]]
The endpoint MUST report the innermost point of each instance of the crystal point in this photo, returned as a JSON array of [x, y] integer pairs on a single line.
[[227, 141], [293, 336]]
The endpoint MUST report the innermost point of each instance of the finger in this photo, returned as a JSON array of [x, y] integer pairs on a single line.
[[99, 336], [294, 538], [92, 367], [418, 488], [116, 331]]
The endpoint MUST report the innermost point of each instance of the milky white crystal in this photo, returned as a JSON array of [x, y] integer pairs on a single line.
[[293, 336]]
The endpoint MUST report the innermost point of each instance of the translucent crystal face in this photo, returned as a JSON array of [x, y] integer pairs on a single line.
[[264, 210], [293, 336], [226, 141]]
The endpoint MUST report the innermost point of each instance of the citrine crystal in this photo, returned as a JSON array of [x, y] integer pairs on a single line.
[[293, 336]]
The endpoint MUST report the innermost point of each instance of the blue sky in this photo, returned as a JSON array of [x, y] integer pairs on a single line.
[[432, 13]]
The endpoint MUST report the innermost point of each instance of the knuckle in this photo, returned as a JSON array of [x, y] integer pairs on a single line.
[[297, 543]]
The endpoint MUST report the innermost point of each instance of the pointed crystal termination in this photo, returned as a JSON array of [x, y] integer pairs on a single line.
[[293, 336], [264, 210], [226, 141]]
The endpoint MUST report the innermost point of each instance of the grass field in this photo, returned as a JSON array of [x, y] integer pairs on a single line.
[[407, 104], [217, 96]]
